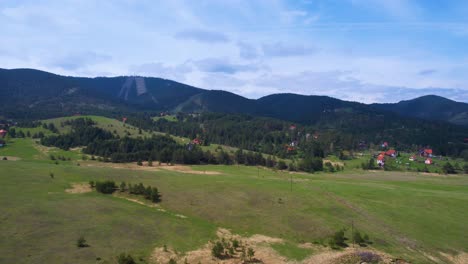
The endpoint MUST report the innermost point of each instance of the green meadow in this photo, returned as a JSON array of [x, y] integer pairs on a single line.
[[410, 215]]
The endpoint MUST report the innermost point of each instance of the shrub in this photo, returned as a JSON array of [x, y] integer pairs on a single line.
[[125, 259], [250, 253], [337, 240], [106, 187], [218, 250], [448, 168], [81, 242], [357, 238], [369, 257]]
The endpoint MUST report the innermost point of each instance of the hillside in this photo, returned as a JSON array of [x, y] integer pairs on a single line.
[[28, 93], [430, 107]]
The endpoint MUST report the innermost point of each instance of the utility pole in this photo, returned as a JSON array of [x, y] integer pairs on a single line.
[[291, 182]]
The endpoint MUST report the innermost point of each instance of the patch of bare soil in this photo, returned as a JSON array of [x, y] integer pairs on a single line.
[[9, 158], [145, 167], [187, 169], [460, 258], [348, 255], [263, 252], [260, 244], [79, 188]]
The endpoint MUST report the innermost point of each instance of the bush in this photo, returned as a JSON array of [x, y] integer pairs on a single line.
[[125, 259], [106, 187], [448, 168], [81, 242], [369, 257], [218, 250], [337, 240]]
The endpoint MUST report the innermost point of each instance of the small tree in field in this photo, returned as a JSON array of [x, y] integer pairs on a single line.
[[123, 187], [81, 242], [250, 253], [155, 196], [218, 250]]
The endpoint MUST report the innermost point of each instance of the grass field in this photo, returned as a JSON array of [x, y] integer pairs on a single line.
[[408, 215]]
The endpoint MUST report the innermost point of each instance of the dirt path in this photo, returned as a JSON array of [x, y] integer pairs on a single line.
[[9, 158]]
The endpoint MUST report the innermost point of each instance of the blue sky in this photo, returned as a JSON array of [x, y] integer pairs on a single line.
[[359, 50]]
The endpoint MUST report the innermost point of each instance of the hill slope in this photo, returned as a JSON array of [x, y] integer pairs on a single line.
[[430, 107], [37, 94]]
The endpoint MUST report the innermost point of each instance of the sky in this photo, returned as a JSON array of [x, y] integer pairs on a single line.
[[358, 50]]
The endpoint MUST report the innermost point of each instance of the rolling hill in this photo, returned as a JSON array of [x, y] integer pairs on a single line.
[[29, 93]]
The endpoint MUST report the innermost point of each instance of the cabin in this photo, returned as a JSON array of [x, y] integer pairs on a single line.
[[384, 145], [428, 161], [412, 158], [391, 153], [196, 141], [3, 133], [2, 143], [426, 153]]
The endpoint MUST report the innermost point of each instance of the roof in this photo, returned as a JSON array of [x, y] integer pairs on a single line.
[[428, 151], [390, 152], [380, 157], [3, 131]]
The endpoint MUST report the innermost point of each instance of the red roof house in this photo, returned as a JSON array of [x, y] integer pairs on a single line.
[[3, 133], [391, 153], [196, 141]]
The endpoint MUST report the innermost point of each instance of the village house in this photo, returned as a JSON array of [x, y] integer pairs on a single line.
[[412, 158], [381, 159], [428, 161], [426, 153], [196, 141], [3, 133], [391, 153]]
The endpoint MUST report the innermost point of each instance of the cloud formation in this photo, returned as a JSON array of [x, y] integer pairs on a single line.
[[205, 36], [361, 50]]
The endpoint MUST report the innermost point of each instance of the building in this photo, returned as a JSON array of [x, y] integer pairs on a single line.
[[381, 160], [428, 161], [426, 153], [391, 153], [196, 141], [412, 158]]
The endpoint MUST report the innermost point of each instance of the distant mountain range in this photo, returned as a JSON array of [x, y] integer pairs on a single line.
[[38, 94]]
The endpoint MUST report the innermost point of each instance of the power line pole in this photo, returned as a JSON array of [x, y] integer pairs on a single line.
[[291, 182]]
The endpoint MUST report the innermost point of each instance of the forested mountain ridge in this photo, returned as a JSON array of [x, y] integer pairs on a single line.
[[430, 107], [29, 93]]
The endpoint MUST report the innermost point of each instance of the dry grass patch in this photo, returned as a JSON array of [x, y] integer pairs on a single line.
[[79, 188]]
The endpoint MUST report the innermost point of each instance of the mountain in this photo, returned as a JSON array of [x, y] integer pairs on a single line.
[[430, 107], [29, 93]]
